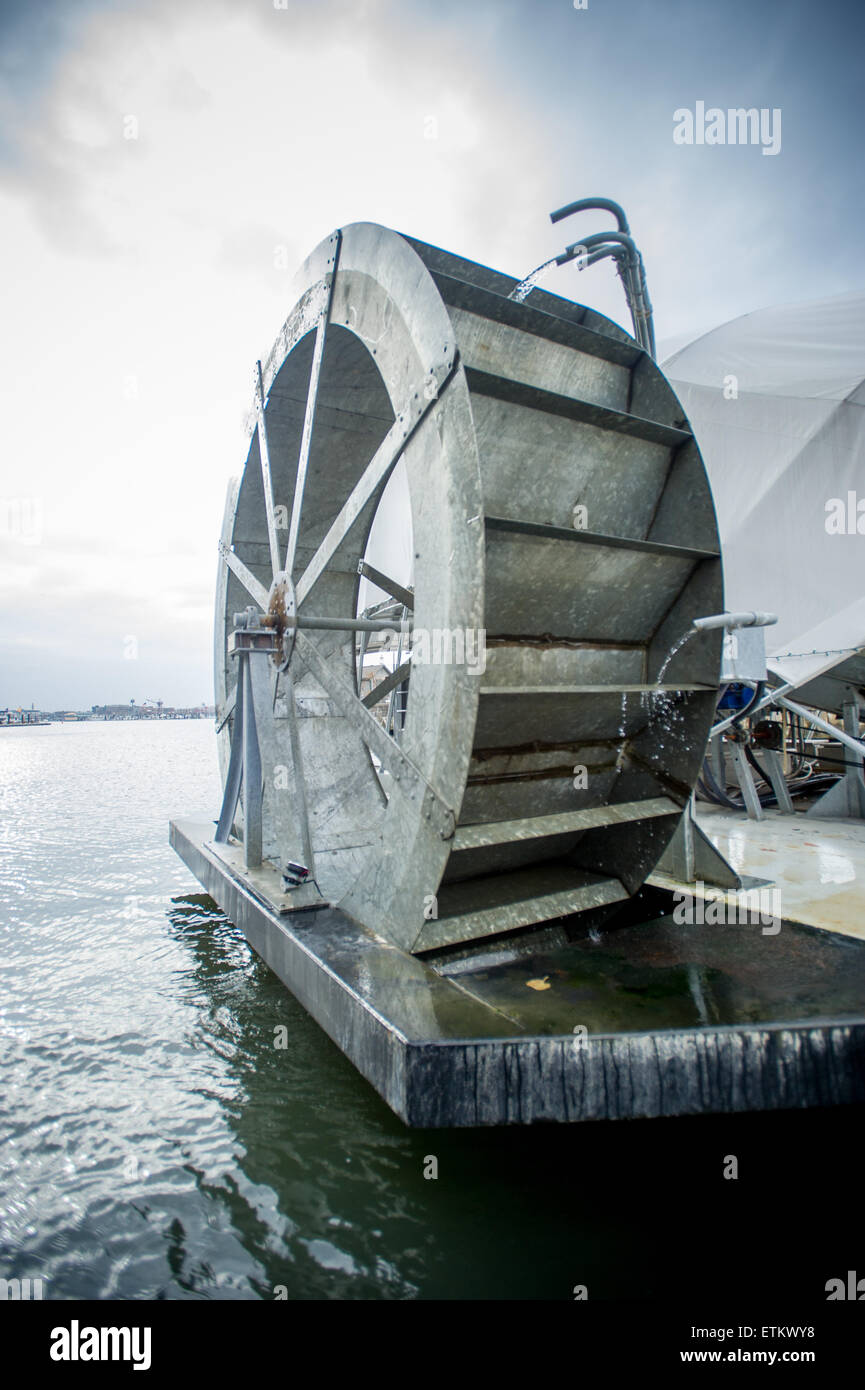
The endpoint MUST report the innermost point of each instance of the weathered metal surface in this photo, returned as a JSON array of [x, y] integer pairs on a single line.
[[561, 527], [561, 533], [508, 898], [720, 1070], [573, 408]]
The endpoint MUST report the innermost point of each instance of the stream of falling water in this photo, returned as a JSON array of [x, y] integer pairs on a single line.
[[623, 723], [661, 703], [525, 287], [676, 647]]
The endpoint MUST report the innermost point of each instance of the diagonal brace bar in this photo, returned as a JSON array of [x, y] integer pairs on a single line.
[[390, 755]]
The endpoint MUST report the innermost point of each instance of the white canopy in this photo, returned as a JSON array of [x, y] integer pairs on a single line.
[[776, 399]]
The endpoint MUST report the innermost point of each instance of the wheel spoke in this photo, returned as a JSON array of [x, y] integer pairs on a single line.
[[305, 441], [252, 585], [390, 683], [266, 479], [309, 418], [390, 586], [386, 749], [383, 460]]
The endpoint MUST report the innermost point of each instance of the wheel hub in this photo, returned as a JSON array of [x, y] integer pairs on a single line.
[[280, 616]]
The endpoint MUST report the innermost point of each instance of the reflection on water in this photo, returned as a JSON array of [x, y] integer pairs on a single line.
[[156, 1143]]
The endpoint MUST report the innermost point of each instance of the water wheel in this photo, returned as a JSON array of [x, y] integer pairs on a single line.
[[560, 535]]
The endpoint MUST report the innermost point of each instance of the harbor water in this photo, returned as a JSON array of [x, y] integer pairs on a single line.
[[174, 1125]]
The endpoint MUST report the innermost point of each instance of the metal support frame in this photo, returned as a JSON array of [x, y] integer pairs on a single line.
[[252, 783], [389, 683], [775, 773], [390, 722], [244, 769], [716, 758], [745, 778], [748, 666], [847, 797], [691, 857]]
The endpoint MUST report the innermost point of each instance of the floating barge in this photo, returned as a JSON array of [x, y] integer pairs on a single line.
[[469, 1042]]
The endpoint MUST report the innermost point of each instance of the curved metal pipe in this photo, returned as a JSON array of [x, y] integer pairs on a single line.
[[617, 253], [734, 620], [588, 205], [631, 270], [595, 239], [572, 253]]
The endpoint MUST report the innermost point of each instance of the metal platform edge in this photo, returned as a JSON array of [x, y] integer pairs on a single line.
[[482, 1081]]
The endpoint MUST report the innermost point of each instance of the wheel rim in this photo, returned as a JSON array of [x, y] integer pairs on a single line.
[[375, 382]]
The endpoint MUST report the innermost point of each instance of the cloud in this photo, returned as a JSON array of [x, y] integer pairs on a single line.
[[129, 368], [164, 168]]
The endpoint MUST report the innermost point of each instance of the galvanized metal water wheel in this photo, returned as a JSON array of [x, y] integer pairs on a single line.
[[551, 782]]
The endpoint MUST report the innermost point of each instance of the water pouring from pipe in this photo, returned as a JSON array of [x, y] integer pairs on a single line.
[[522, 291]]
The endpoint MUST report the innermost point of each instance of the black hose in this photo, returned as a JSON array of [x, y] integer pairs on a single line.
[[754, 700], [718, 795], [708, 795], [710, 789]]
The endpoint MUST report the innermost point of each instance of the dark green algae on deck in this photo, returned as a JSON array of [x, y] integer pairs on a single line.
[[659, 974]]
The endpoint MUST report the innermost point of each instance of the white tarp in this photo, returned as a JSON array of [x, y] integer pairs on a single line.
[[777, 402]]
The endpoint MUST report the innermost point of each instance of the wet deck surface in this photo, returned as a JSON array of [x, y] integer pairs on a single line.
[[662, 975], [817, 866]]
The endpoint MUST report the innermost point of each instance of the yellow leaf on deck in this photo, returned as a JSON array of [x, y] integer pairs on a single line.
[[539, 984]]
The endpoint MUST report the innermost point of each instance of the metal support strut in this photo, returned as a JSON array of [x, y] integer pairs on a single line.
[[244, 764]]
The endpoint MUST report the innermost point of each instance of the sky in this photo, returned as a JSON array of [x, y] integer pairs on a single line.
[[165, 167]]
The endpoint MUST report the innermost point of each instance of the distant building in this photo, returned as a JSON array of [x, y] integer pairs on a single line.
[[157, 710], [15, 718]]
